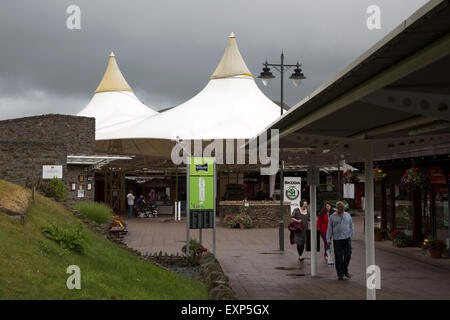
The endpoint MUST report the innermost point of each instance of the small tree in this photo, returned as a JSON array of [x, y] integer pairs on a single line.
[[55, 189]]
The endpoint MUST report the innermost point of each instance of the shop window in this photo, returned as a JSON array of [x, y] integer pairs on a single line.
[[404, 210]]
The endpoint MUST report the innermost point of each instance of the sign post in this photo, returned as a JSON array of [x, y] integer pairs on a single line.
[[201, 197], [292, 191]]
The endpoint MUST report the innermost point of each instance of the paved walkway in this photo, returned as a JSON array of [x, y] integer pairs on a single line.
[[257, 270]]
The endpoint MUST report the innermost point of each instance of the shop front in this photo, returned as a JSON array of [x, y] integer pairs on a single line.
[[419, 212]]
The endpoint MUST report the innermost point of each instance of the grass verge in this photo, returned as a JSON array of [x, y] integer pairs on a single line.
[[34, 267]]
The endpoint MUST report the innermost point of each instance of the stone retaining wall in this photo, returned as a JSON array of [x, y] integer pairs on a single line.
[[264, 214]]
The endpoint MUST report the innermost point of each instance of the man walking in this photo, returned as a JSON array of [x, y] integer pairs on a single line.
[[340, 228], [130, 201]]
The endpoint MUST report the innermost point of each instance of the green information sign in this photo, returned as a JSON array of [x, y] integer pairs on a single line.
[[201, 211], [201, 184]]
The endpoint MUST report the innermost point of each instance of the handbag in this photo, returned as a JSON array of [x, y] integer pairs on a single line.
[[291, 226], [330, 260]]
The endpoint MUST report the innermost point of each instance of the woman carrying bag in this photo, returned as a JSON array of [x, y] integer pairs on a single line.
[[299, 225]]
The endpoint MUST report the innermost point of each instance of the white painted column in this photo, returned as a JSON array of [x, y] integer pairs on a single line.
[[369, 217], [313, 210]]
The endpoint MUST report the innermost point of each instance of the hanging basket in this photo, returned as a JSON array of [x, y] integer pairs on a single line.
[[349, 176], [414, 178], [379, 175]]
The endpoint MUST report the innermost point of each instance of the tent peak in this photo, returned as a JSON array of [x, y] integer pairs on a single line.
[[231, 63], [113, 79]]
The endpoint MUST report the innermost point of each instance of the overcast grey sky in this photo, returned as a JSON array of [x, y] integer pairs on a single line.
[[167, 49]]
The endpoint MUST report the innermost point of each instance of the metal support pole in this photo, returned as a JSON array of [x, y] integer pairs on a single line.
[[281, 223], [187, 205], [282, 82], [313, 210], [369, 217], [339, 178]]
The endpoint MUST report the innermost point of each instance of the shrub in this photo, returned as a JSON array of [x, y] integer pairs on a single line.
[[196, 250], [71, 238], [55, 189], [95, 211]]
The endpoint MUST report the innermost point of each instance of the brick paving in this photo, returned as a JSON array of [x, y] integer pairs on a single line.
[[257, 270]]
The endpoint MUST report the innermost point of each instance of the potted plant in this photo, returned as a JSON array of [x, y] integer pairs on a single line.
[[245, 221], [379, 233], [398, 238], [196, 251], [413, 178], [434, 247], [230, 220], [379, 175], [349, 176]]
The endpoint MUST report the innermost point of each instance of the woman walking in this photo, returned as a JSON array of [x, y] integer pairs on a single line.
[[322, 225], [300, 216]]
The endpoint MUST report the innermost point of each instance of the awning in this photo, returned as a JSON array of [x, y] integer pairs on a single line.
[[93, 160]]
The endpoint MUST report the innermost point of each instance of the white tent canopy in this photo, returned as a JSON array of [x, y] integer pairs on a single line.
[[231, 106], [114, 101]]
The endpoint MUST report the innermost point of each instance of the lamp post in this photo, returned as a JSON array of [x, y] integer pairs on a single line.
[[296, 77]]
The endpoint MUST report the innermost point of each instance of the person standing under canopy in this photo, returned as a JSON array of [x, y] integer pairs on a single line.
[[340, 228], [130, 201]]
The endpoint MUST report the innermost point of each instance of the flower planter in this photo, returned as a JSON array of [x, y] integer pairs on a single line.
[[378, 236], [241, 225], [435, 253]]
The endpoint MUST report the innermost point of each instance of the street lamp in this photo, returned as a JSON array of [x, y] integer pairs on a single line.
[[296, 77]]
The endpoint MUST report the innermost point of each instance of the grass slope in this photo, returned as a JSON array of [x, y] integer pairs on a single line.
[[34, 267]]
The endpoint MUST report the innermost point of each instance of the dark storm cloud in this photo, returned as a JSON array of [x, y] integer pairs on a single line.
[[168, 49]]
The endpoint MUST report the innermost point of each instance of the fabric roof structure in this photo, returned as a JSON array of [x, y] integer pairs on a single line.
[[114, 101], [230, 106]]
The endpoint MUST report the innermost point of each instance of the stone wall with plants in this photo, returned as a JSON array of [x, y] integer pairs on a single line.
[[26, 144], [264, 214]]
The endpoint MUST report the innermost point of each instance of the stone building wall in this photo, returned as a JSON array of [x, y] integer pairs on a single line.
[[72, 176], [21, 162], [264, 214], [26, 144]]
